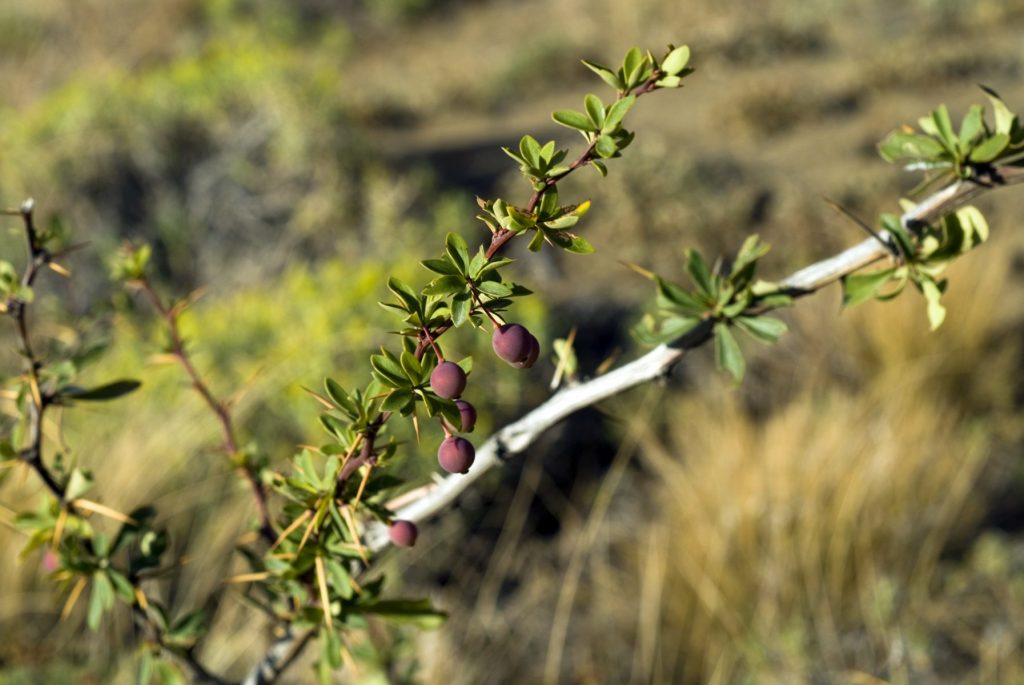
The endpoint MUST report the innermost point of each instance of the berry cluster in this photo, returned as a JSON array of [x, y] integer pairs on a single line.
[[514, 344]]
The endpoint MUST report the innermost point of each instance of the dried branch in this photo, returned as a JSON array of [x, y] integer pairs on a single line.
[[517, 436]]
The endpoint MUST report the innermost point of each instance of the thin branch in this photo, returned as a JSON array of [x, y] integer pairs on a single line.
[[37, 257], [517, 436], [219, 409]]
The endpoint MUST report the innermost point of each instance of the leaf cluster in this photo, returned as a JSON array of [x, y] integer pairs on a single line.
[[924, 253], [724, 296], [946, 153]]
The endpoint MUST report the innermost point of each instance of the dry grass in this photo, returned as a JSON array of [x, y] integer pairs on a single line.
[[802, 544]]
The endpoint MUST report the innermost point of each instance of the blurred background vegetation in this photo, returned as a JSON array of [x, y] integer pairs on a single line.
[[852, 514]]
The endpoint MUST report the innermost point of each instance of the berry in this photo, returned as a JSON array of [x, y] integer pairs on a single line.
[[531, 357], [468, 413], [403, 533], [448, 380], [511, 342], [456, 455]]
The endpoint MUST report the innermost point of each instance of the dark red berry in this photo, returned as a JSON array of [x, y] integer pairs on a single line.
[[468, 413], [448, 380], [511, 342], [403, 533], [456, 455], [531, 357]]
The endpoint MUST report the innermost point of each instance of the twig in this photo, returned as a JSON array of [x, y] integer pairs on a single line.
[[219, 409], [38, 256]]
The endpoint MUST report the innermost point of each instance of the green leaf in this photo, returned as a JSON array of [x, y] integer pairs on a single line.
[[101, 599], [900, 145], [458, 251], [1004, 117], [450, 411], [617, 112], [933, 295], [494, 289], [631, 65], [445, 285], [570, 242], [974, 225], [405, 294], [548, 205], [605, 147], [145, 667], [520, 220], [411, 365], [563, 222], [529, 148], [697, 268], [330, 649], [573, 119], [460, 308], [751, 251], [167, 674], [478, 262], [388, 371], [764, 328], [333, 425], [600, 166], [676, 60], [418, 612], [122, 586], [340, 397], [606, 74], [188, 629], [971, 126], [944, 128], [79, 483], [859, 288], [990, 148], [595, 110], [537, 242], [441, 266], [728, 355], [102, 393], [672, 294], [339, 579]]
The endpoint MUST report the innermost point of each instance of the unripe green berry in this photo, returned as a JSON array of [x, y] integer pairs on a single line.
[[456, 455], [448, 380]]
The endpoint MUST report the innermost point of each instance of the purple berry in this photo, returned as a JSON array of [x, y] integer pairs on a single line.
[[456, 455], [511, 342], [448, 380], [468, 413], [531, 357], [403, 533]]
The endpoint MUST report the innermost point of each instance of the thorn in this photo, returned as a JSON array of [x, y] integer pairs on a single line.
[[872, 232], [638, 269]]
